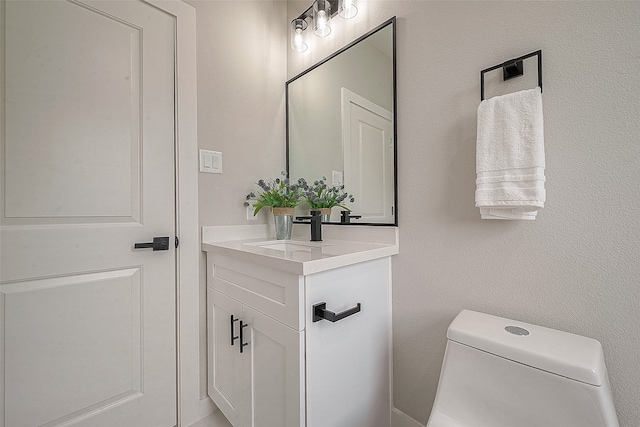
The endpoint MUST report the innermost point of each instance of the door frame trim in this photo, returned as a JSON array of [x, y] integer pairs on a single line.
[[188, 253]]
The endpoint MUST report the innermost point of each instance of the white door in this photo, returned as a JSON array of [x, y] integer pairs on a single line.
[[368, 157], [88, 323]]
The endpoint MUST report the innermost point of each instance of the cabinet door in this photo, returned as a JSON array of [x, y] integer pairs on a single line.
[[273, 373], [224, 360], [348, 362]]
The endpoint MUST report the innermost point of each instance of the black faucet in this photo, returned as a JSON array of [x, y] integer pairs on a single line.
[[316, 225], [345, 218]]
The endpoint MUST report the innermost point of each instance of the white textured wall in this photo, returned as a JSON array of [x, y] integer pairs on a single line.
[[241, 60], [576, 267], [241, 52]]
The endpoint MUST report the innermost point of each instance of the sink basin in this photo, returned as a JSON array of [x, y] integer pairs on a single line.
[[290, 246]]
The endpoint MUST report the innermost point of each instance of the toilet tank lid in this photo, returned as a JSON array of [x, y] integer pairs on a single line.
[[569, 355]]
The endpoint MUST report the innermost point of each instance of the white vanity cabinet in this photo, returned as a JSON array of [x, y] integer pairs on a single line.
[[274, 365], [255, 359], [250, 387]]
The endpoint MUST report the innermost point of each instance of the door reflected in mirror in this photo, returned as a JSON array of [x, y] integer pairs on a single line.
[[341, 124]]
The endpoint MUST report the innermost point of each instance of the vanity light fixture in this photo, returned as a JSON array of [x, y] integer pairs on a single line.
[[297, 27], [320, 13], [321, 18], [347, 8]]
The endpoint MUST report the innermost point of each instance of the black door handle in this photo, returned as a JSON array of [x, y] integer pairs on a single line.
[[320, 312], [233, 338], [242, 343], [158, 244]]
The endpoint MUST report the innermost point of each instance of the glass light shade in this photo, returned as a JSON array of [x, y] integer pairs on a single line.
[[347, 8], [297, 28], [321, 17]]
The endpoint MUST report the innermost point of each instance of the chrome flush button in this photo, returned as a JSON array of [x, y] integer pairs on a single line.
[[515, 330]]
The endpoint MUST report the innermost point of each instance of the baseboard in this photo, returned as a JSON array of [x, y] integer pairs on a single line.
[[207, 407], [400, 419]]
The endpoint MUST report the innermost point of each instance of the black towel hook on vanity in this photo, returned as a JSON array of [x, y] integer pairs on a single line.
[[512, 68]]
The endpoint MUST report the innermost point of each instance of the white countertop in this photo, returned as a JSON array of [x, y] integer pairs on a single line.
[[302, 257]]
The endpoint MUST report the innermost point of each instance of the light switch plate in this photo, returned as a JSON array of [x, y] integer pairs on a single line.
[[250, 210], [336, 178], [210, 161]]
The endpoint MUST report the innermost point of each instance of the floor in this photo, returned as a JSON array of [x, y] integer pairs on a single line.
[[214, 420]]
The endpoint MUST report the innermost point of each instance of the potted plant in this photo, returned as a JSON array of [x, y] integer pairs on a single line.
[[323, 197], [281, 196]]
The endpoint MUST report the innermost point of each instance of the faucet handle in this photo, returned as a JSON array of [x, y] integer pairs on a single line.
[[345, 218]]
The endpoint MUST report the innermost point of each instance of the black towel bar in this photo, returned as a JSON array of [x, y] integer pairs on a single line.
[[512, 68]]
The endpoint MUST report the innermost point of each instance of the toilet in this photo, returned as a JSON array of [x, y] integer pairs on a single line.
[[504, 373]]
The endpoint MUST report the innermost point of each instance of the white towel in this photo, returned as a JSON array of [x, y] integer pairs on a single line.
[[510, 156]]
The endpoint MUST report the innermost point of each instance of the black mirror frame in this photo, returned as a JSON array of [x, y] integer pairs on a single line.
[[392, 22]]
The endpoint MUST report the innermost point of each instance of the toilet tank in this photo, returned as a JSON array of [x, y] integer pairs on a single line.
[[503, 373]]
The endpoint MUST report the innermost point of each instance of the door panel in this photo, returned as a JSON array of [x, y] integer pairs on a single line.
[[88, 324], [97, 151], [38, 338]]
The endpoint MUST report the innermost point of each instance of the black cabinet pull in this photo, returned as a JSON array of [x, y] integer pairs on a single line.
[[242, 343], [320, 312], [233, 320], [158, 244]]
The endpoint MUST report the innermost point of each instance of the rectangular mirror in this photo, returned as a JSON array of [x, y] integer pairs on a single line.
[[341, 124]]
